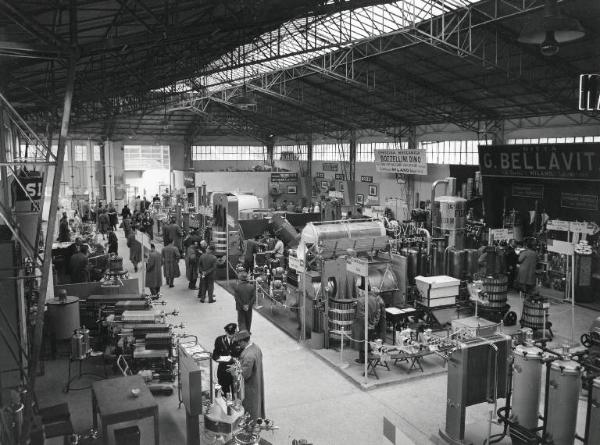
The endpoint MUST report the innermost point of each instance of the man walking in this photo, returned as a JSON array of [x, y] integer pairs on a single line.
[[170, 257], [252, 371], [191, 264], [207, 266], [153, 272], [135, 248], [245, 297]]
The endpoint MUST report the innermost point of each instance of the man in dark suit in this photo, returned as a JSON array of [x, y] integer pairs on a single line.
[[245, 297], [207, 266], [222, 355]]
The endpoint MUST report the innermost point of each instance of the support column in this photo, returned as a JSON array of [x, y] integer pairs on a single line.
[[4, 136], [353, 145], [270, 150], [411, 198], [309, 157]]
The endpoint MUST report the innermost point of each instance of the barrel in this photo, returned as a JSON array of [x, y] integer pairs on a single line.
[[341, 315], [496, 289], [472, 265], [533, 314], [115, 263], [527, 383], [563, 400]]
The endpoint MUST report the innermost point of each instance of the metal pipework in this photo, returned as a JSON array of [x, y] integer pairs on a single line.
[[433, 188], [428, 236]]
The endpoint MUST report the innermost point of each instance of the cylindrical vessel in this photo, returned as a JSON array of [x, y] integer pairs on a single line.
[[115, 263], [456, 263], [527, 380], [78, 351], [313, 233], [469, 188], [86, 339], [563, 399], [340, 315], [496, 289], [534, 314], [453, 212], [438, 265], [423, 262], [500, 263], [412, 263], [472, 266], [63, 317], [593, 434], [284, 230]]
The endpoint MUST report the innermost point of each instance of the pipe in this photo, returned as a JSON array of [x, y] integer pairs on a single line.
[[428, 236], [433, 187]]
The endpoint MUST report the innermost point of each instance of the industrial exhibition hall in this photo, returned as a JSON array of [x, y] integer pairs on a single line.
[[299, 222]]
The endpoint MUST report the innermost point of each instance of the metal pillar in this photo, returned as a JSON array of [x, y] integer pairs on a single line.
[[309, 157], [353, 145]]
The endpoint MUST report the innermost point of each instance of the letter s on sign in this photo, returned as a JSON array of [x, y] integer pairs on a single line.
[[487, 160]]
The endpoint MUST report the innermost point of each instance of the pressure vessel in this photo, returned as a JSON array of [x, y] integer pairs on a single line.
[[563, 399], [593, 434], [453, 212], [313, 233], [284, 230], [456, 263], [438, 248], [78, 351], [527, 381]]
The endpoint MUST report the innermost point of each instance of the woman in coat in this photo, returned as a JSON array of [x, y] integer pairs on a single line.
[[526, 276], [153, 271], [135, 249], [191, 264]]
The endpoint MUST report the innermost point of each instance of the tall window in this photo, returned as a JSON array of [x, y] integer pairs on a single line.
[[453, 152], [229, 153], [80, 153], [96, 150], [564, 140], [365, 152], [331, 152], [146, 157], [290, 152]]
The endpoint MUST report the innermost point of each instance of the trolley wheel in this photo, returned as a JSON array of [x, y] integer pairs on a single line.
[[510, 319], [586, 340]]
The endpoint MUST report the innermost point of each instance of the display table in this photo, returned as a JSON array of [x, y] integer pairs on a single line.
[[113, 401]]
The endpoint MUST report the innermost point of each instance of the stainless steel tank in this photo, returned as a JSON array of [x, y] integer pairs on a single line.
[[423, 261], [78, 351], [527, 384], [313, 233], [472, 265], [593, 434], [457, 260], [453, 212], [563, 399], [284, 230], [412, 263]]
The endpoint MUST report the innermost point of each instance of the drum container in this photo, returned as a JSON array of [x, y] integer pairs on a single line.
[[457, 260], [78, 351], [563, 399], [438, 265], [533, 314], [471, 266], [284, 230], [496, 289], [500, 264], [593, 434], [86, 339], [527, 380]]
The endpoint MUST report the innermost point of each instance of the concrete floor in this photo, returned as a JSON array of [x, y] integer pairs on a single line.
[[306, 397]]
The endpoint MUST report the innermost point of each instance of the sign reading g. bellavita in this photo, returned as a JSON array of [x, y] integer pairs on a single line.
[[409, 162]]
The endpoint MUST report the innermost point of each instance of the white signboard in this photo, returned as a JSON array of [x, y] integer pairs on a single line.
[[296, 264], [410, 162], [561, 247], [357, 266], [501, 234], [336, 194], [582, 227], [557, 224]]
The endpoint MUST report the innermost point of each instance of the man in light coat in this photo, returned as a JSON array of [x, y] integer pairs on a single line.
[[252, 371], [153, 271]]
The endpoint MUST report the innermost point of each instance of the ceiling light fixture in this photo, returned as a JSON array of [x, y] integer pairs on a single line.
[[552, 30]]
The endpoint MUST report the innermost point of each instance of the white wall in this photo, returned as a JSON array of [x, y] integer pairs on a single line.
[[256, 183]]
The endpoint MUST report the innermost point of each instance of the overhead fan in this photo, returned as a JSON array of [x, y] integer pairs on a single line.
[[552, 30]]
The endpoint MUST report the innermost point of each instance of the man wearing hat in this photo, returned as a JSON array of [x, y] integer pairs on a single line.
[[245, 297], [223, 355], [252, 371], [207, 265]]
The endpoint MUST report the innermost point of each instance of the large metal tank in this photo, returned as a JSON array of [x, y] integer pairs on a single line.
[[472, 265], [457, 260], [412, 263], [527, 384], [593, 434], [500, 263], [438, 265], [63, 317], [284, 230], [453, 212], [563, 398], [313, 233]]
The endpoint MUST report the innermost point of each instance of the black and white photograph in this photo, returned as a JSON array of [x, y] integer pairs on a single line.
[[320, 222]]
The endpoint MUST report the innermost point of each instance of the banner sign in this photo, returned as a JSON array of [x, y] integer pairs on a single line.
[[534, 191], [189, 179], [577, 201], [501, 234], [336, 194], [558, 225], [296, 264], [543, 161], [340, 176], [366, 179], [284, 177], [33, 188], [409, 162], [330, 166]]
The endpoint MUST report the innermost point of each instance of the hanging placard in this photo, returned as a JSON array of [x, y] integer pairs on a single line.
[[501, 234], [319, 175], [296, 264], [284, 177], [558, 225], [330, 166], [579, 202], [534, 191], [357, 266], [410, 162], [366, 179], [340, 176]]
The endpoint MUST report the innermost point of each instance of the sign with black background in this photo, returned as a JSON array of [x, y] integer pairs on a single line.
[[543, 161], [189, 179], [330, 167], [319, 175], [534, 191], [577, 201], [284, 177], [366, 179], [340, 176]]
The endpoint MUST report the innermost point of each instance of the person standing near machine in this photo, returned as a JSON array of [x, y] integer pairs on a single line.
[[113, 242], [252, 371], [78, 266], [64, 234], [245, 297], [526, 277], [192, 255], [135, 249], [153, 271], [511, 262], [358, 327], [103, 222], [207, 266], [222, 354], [170, 257]]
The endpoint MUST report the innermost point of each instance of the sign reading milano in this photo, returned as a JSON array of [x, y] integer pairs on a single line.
[[579, 162]]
